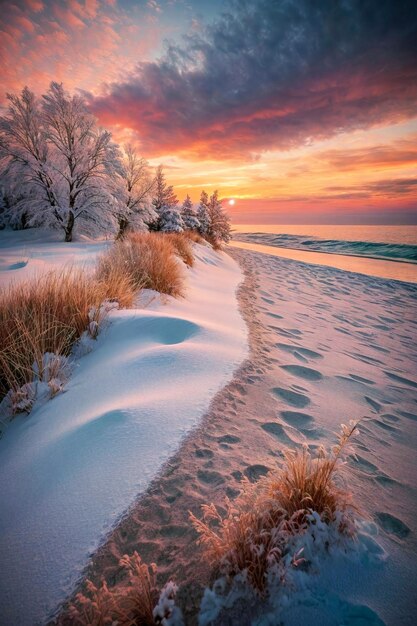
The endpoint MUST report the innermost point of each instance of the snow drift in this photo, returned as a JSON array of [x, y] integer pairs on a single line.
[[72, 467]]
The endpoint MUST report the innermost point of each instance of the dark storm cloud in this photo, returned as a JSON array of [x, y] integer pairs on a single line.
[[273, 74]]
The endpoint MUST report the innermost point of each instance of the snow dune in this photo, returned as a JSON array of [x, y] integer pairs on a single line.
[[71, 469]]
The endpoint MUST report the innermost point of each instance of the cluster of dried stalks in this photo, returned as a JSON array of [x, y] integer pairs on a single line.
[[182, 243], [125, 605], [39, 317], [146, 261], [137, 601], [48, 315], [255, 533]]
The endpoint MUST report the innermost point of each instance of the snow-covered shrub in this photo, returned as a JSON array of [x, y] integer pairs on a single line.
[[307, 483], [165, 203], [251, 537], [203, 215], [218, 230], [48, 379], [170, 220], [97, 314], [257, 534], [189, 215], [166, 612]]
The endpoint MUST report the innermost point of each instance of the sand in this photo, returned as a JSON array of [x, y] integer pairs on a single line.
[[326, 346]]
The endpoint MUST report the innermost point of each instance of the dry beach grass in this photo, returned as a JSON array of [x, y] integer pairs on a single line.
[[42, 316], [254, 534], [47, 315], [146, 260], [126, 606]]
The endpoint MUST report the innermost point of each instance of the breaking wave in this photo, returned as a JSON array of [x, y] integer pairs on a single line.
[[391, 251]]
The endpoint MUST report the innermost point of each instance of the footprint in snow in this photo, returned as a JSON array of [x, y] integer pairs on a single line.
[[392, 525]]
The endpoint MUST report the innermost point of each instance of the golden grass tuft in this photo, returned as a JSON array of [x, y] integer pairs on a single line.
[[143, 592], [307, 483], [98, 606], [125, 605], [116, 286], [256, 530], [193, 236], [215, 243], [183, 247], [49, 315], [251, 537], [43, 316], [146, 261]]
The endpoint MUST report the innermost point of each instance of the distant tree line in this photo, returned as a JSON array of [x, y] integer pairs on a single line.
[[59, 169]]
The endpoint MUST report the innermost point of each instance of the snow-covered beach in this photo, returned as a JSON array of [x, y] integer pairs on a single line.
[[208, 313], [153, 420], [326, 346]]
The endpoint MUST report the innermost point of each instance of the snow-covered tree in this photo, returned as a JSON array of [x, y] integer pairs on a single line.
[[165, 204], [25, 161], [133, 191], [84, 160], [219, 228], [171, 221], [203, 215], [188, 214], [58, 160]]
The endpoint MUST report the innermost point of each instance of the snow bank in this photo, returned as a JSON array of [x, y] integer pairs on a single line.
[[28, 253], [72, 468], [306, 594]]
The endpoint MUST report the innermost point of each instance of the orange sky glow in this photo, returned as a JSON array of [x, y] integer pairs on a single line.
[[336, 144]]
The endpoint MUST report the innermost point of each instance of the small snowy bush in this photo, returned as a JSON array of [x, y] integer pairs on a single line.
[[307, 483], [256, 536]]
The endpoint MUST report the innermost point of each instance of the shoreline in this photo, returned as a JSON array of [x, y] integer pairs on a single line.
[[387, 269], [348, 254]]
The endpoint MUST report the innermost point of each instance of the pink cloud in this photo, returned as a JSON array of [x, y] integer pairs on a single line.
[[35, 5], [49, 41]]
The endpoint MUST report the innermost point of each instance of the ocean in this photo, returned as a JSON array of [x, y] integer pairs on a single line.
[[395, 243]]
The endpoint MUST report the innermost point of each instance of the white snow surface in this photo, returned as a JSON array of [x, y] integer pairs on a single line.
[[72, 467], [28, 253]]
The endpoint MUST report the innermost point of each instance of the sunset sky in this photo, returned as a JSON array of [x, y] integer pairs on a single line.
[[304, 111]]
